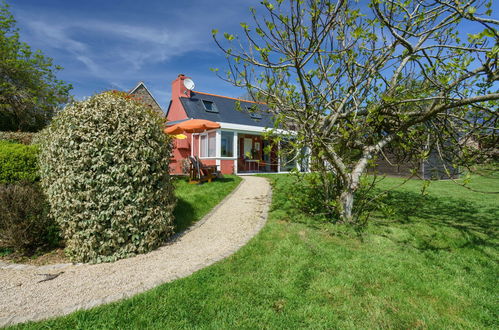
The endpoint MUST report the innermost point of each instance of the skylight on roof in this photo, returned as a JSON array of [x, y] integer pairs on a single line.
[[210, 106], [253, 112], [255, 115]]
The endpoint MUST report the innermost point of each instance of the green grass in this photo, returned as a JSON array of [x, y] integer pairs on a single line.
[[196, 200], [431, 264]]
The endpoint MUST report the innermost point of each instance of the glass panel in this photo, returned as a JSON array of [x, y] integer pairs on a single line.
[[212, 145], [227, 144], [210, 106], [303, 159], [202, 151], [288, 156]]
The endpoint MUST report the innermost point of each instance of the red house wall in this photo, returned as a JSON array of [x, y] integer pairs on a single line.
[[195, 146], [227, 166], [181, 148], [176, 111]]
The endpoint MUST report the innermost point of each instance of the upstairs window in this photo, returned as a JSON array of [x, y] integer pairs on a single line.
[[210, 106], [254, 113]]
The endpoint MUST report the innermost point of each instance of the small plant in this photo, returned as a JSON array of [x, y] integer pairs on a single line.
[[25, 224], [104, 165]]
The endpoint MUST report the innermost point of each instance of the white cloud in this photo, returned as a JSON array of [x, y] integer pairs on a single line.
[[117, 49], [127, 48]]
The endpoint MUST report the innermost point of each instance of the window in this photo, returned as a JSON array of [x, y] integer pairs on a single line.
[[203, 152], [208, 145], [255, 115], [227, 144], [288, 156], [210, 106], [212, 144], [254, 112]]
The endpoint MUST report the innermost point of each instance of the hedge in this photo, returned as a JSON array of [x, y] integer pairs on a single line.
[[19, 137], [18, 162], [105, 168]]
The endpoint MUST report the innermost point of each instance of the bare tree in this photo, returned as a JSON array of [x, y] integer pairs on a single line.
[[353, 79]]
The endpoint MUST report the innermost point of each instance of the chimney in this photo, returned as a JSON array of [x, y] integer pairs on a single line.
[[178, 88]]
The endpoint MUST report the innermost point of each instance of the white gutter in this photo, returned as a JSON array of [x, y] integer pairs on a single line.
[[250, 128]]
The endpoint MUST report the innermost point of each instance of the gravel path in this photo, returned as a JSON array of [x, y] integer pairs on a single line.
[[222, 232]]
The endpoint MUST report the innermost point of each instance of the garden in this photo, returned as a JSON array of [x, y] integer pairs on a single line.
[[431, 261], [86, 183], [426, 258]]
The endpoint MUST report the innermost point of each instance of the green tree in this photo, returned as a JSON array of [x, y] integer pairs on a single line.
[[30, 94], [354, 78]]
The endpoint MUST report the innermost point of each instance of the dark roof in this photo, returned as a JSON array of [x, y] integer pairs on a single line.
[[141, 83], [175, 122], [225, 110]]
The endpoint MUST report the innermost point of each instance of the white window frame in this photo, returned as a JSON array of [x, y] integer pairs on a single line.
[[234, 155], [206, 134]]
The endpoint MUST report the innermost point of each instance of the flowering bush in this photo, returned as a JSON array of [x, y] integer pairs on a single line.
[[104, 165]]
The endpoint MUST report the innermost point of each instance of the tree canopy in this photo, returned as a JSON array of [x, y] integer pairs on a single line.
[[30, 93], [353, 79]]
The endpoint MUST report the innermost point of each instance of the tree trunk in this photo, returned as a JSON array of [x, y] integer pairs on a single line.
[[346, 205], [347, 195]]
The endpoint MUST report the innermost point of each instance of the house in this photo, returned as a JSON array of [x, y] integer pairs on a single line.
[[432, 168], [142, 93], [237, 146]]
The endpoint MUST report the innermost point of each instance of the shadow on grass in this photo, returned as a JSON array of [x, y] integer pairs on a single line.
[[223, 179], [184, 215], [408, 218], [195, 200], [442, 222]]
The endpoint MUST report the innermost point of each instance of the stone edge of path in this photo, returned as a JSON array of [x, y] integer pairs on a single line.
[[125, 295], [170, 240]]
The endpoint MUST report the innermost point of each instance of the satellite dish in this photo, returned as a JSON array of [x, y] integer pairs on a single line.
[[189, 84]]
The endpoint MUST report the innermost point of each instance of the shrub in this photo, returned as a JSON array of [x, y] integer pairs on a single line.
[[104, 166], [19, 137], [25, 224], [18, 162]]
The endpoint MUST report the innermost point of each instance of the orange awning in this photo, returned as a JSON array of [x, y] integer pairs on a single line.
[[192, 126]]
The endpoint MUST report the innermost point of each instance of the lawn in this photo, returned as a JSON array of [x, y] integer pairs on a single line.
[[432, 263], [196, 200]]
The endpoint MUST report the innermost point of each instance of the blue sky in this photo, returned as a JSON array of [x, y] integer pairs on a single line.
[[115, 44]]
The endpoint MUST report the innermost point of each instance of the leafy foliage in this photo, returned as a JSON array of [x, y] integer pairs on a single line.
[[29, 90], [18, 162], [25, 224], [104, 166]]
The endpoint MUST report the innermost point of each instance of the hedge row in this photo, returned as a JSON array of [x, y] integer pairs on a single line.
[[19, 137], [18, 162], [25, 223]]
